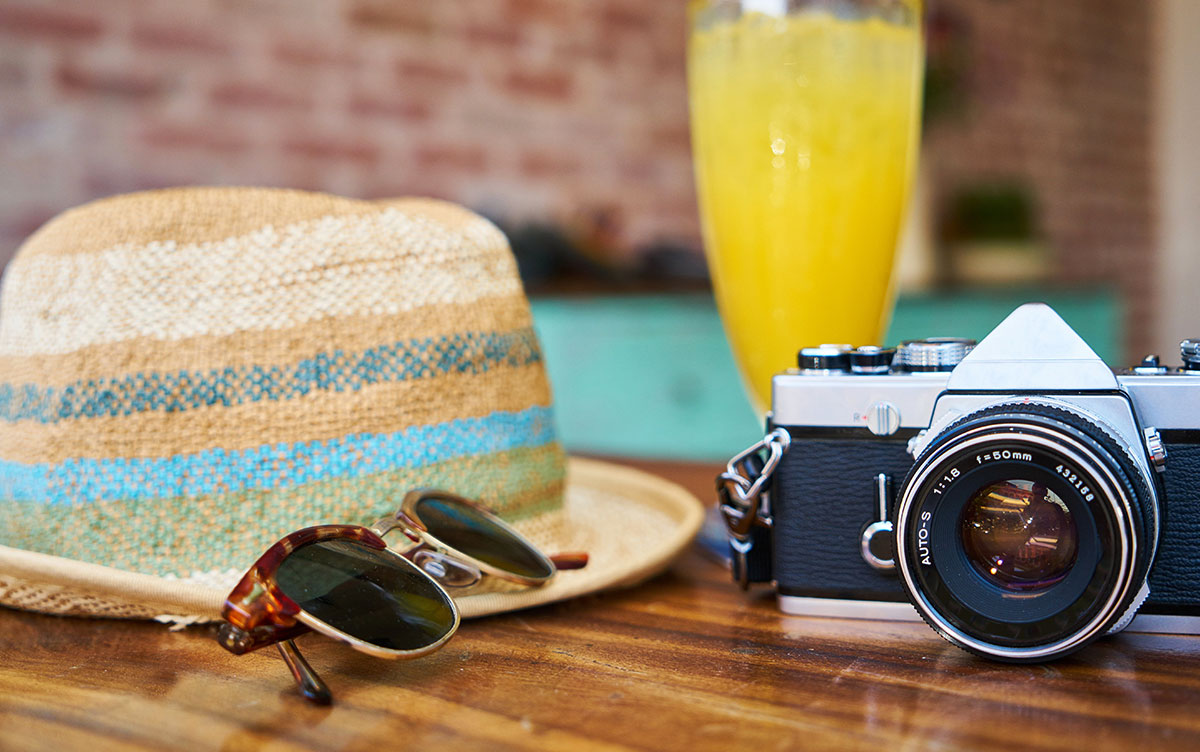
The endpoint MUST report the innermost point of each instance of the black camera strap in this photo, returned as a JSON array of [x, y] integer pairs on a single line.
[[744, 500]]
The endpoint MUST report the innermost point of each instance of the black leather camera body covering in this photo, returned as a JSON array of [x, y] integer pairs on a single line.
[[823, 497], [1175, 574]]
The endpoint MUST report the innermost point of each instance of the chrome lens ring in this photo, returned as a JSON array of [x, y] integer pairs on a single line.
[[1113, 508]]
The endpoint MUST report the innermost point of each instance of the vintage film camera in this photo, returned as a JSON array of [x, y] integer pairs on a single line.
[[1022, 496]]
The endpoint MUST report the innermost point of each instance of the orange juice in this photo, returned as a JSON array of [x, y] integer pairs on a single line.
[[804, 131]]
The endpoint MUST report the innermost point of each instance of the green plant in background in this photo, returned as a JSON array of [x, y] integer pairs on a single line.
[[990, 233], [991, 212], [947, 59]]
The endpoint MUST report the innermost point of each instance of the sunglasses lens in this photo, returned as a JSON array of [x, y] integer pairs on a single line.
[[369, 594], [477, 535]]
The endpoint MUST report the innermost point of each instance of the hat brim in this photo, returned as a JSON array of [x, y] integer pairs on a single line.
[[630, 523]]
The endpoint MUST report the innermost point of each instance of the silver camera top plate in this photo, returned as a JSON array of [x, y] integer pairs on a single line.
[[1033, 351]]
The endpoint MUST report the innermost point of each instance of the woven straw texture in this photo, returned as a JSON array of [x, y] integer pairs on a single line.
[[186, 376]]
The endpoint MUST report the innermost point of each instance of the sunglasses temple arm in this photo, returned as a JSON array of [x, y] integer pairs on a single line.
[[570, 560], [311, 686]]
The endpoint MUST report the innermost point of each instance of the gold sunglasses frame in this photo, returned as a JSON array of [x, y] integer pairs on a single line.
[[257, 613], [407, 519]]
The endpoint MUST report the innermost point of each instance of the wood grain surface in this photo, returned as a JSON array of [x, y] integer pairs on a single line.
[[684, 662]]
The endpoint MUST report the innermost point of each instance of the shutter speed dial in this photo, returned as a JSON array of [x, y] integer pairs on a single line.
[[933, 354]]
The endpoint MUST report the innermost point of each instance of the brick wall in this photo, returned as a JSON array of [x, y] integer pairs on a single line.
[[524, 108], [549, 109], [1058, 96]]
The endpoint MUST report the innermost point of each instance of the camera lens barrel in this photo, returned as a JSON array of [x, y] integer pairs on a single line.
[[1024, 532]]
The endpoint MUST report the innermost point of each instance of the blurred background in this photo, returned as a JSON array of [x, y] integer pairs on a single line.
[[1059, 163]]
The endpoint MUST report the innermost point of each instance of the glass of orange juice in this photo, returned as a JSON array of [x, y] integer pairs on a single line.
[[805, 119]]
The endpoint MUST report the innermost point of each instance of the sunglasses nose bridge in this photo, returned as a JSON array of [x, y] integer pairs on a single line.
[[447, 570], [385, 525]]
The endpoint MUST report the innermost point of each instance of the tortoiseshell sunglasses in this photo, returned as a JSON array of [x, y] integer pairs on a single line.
[[343, 581]]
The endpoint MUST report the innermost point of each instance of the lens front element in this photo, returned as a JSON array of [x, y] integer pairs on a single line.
[[1025, 531], [1019, 535]]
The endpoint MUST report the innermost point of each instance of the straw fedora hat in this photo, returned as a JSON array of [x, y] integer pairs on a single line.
[[188, 375]]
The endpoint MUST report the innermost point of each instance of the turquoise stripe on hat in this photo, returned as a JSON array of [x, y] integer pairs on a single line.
[[273, 465], [336, 371]]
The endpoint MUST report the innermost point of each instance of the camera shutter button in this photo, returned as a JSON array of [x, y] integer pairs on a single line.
[[870, 359], [883, 418]]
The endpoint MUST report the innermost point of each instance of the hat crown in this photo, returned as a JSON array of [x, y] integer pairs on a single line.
[[188, 375]]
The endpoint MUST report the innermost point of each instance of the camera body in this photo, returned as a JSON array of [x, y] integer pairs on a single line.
[[1022, 496]]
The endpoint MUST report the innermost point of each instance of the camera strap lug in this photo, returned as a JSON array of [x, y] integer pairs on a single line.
[[745, 507]]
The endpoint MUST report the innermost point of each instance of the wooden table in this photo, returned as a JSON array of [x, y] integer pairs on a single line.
[[685, 661]]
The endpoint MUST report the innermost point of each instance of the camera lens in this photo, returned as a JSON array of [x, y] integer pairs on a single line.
[[1024, 531], [1019, 535]]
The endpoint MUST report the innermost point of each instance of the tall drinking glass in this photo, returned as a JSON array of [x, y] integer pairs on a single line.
[[805, 118]]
